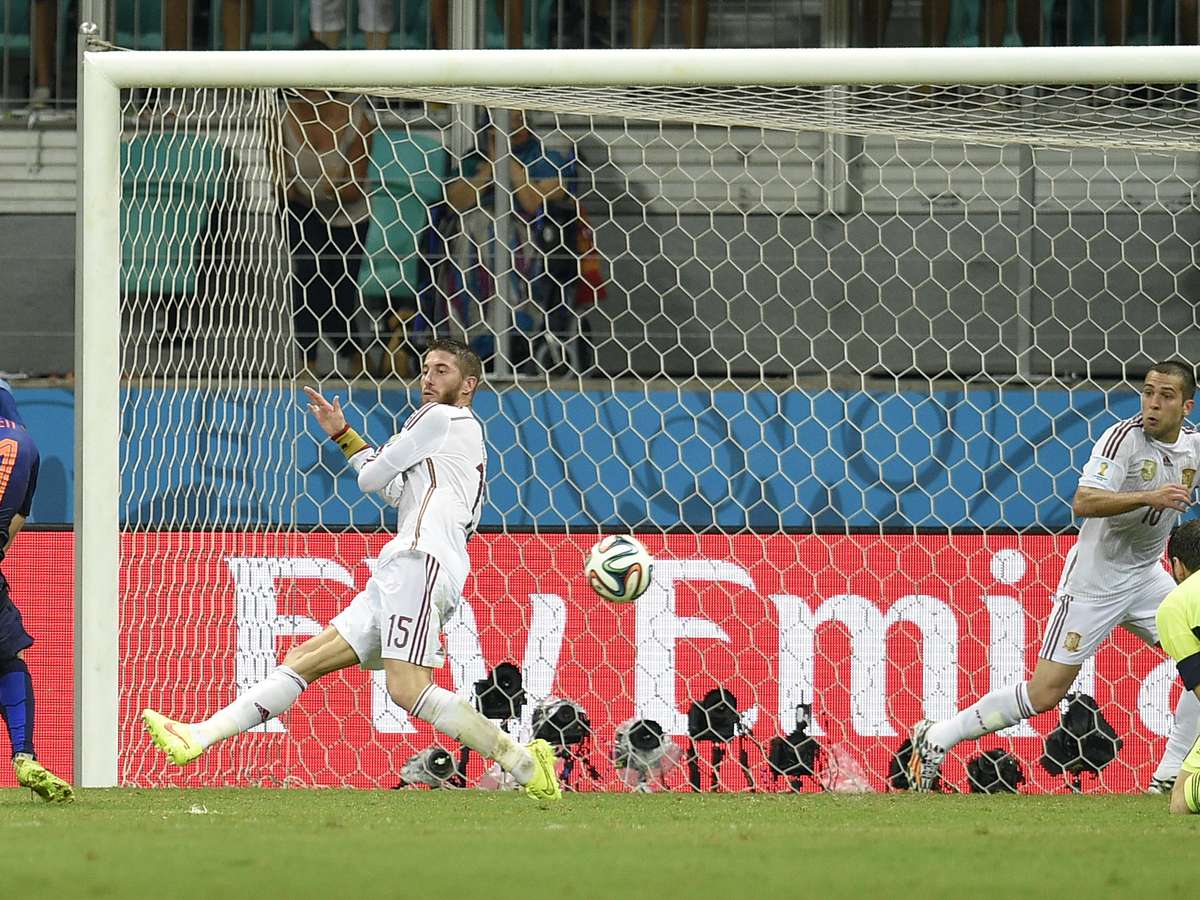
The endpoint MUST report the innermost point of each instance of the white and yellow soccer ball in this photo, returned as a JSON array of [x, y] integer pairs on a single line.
[[619, 568]]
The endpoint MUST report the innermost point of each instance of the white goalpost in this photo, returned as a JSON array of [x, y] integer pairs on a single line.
[[864, 311]]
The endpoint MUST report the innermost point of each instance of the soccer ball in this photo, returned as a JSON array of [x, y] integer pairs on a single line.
[[619, 568]]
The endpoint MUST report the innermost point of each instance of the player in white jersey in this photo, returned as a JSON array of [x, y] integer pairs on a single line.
[[1136, 483], [433, 472]]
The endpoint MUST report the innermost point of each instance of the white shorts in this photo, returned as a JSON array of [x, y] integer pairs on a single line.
[[1078, 625], [374, 16], [400, 613]]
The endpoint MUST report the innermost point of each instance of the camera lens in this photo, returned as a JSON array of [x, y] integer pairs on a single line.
[[440, 764], [645, 735]]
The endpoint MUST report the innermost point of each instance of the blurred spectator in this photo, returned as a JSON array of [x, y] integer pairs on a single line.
[[556, 269], [1149, 21], [236, 18], [1188, 25], [512, 14], [535, 172], [975, 23], [601, 30], [325, 140], [43, 38], [935, 22], [375, 20], [1118, 22], [693, 22], [1013, 22], [873, 22], [176, 26]]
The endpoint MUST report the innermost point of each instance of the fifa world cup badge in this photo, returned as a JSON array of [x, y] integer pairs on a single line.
[[1149, 468], [1189, 476]]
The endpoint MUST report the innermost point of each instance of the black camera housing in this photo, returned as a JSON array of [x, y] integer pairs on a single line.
[[794, 756], [715, 717], [646, 735], [568, 724], [500, 694], [1083, 742], [995, 772]]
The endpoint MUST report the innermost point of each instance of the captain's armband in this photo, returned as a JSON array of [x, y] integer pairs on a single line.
[[350, 442]]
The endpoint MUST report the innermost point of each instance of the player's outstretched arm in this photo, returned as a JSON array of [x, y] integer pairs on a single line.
[[332, 420], [1097, 503], [422, 437]]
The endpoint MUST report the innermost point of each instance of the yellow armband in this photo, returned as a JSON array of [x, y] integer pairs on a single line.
[[350, 441]]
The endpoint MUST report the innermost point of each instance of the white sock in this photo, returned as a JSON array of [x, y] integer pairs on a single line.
[[271, 697], [1001, 708], [1182, 737], [454, 716]]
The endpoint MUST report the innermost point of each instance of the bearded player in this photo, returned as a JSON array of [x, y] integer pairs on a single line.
[[433, 471], [1136, 483]]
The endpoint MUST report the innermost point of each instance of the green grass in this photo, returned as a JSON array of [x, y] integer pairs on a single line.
[[216, 844]]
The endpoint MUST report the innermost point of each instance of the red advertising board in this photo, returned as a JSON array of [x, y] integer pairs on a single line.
[[872, 631]]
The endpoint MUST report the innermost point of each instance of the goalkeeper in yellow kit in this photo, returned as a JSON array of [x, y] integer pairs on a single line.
[[1179, 632]]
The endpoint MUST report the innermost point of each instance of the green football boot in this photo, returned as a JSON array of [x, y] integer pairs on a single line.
[[171, 737], [544, 785], [33, 775]]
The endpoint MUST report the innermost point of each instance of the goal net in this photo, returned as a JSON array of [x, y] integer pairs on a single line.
[[835, 353]]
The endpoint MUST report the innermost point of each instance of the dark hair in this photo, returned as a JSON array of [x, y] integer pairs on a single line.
[[1184, 545], [468, 360], [1175, 369], [313, 44]]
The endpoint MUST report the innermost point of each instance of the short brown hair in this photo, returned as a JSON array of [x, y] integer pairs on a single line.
[[469, 363], [1175, 369], [1184, 545]]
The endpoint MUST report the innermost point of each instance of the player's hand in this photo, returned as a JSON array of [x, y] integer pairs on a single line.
[[328, 415], [1169, 496]]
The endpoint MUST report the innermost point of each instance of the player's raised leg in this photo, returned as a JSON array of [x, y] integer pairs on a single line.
[[1073, 632], [1002, 708], [411, 687], [409, 599], [319, 655], [16, 708]]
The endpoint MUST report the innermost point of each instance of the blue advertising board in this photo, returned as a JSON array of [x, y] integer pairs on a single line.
[[759, 459]]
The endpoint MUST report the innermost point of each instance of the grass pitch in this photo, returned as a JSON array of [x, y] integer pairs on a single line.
[[216, 844]]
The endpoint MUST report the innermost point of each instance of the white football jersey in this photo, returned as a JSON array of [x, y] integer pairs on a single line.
[[433, 471], [1113, 553]]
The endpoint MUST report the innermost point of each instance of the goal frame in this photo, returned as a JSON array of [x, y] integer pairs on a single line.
[[105, 71]]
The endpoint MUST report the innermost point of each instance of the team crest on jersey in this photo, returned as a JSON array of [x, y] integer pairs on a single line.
[[1149, 469], [1189, 475], [1071, 642]]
